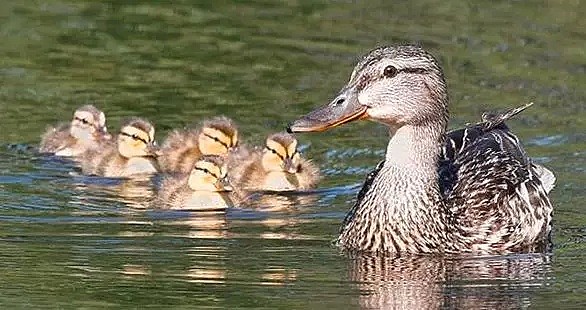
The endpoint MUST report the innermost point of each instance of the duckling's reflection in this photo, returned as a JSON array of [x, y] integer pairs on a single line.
[[207, 260], [424, 282], [137, 193], [271, 201], [283, 209], [278, 276], [203, 224]]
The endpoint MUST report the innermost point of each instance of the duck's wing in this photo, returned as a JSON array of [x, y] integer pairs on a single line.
[[496, 193]]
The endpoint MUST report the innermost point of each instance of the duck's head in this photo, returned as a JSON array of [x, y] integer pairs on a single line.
[[210, 174], [280, 153], [88, 122], [137, 139], [218, 136], [396, 86]]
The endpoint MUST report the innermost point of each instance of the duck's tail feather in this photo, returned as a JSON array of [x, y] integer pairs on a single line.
[[492, 120]]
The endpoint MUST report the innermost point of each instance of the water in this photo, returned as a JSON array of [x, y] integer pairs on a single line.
[[72, 241]]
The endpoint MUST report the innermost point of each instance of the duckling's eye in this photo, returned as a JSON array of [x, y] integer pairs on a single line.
[[217, 140], [83, 120], [206, 170], [390, 71]]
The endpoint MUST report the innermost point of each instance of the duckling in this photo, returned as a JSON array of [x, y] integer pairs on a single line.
[[182, 148], [279, 167], [133, 153], [205, 187], [86, 130]]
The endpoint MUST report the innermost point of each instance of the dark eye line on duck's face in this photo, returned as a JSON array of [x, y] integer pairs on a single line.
[[391, 71], [134, 137], [367, 78], [217, 140]]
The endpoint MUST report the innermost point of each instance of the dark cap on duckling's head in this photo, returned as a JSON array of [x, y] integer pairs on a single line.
[[223, 124], [283, 138]]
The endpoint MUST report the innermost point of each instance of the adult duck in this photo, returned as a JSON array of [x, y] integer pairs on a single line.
[[472, 190]]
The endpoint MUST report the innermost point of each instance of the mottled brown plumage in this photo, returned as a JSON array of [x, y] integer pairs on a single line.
[[86, 130], [277, 167], [182, 148], [132, 154], [205, 187], [471, 190]]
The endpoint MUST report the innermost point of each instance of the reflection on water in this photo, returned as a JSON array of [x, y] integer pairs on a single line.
[[137, 193], [200, 224], [456, 283]]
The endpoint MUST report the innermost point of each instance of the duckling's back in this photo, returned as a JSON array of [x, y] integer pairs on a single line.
[[179, 152], [56, 139], [103, 161]]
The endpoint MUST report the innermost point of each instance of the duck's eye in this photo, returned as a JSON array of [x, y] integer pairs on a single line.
[[390, 71]]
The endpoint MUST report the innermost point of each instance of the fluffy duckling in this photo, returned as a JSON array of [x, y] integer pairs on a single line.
[[205, 187], [182, 148], [279, 167], [133, 153], [86, 130]]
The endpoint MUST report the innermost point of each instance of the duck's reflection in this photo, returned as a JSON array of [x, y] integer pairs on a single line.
[[426, 282]]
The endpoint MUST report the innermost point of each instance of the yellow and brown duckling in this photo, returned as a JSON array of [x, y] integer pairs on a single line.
[[182, 148], [86, 130], [206, 187], [278, 167], [133, 153]]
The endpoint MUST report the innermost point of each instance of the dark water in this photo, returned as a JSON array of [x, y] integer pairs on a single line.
[[81, 242]]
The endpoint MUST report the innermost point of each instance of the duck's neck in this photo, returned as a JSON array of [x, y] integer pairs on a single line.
[[416, 149], [402, 209]]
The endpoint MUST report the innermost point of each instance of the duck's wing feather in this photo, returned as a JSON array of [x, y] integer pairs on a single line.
[[492, 187]]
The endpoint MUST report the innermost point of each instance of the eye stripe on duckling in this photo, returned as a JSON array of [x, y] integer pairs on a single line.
[[209, 168], [278, 149], [136, 134], [218, 136]]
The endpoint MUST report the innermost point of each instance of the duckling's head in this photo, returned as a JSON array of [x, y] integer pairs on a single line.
[[218, 136], [396, 86], [137, 139], [280, 153], [88, 122], [210, 174]]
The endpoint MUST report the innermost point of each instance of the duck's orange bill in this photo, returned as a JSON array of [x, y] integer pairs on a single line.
[[324, 118]]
